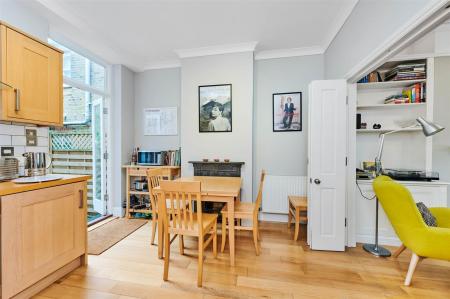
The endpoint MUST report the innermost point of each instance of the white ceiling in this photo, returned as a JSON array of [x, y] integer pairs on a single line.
[[145, 34]]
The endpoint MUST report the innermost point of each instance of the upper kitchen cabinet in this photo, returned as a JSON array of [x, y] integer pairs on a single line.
[[31, 76]]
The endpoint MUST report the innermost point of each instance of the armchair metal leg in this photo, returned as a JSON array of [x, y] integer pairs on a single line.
[[415, 259], [399, 251]]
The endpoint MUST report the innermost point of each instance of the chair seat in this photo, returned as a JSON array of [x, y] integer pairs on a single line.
[[241, 209], [299, 201], [208, 223]]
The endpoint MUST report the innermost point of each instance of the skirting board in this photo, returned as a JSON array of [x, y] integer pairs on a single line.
[[269, 217], [118, 212], [46, 281]]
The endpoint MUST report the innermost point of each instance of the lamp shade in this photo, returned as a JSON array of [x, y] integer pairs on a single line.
[[428, 127]]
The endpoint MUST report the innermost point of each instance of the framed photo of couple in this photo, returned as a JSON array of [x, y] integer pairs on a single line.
[[287, 111]]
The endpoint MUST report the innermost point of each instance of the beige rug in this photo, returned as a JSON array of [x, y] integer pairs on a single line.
[[105, 236]]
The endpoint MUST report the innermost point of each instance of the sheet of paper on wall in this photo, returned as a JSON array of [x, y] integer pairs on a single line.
[[160, 121]]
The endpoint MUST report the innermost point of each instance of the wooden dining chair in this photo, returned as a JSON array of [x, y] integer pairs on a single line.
[[247, 211], [154, 176], [173, 196]]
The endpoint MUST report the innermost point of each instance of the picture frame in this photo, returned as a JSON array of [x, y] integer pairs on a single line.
[[215, 108], [287, 112]]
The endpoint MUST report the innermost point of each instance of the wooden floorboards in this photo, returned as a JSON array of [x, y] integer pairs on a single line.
[[285, 269]]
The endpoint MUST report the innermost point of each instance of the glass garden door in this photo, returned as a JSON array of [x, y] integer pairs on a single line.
[[99, 156]]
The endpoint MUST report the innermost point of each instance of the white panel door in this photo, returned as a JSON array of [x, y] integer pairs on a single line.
[[327, 164]]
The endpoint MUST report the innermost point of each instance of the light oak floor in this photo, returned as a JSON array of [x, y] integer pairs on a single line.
[[285, 269]]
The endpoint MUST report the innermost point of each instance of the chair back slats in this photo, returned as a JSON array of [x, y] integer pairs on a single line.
[[260, 190], [178, 211], [154, 176]]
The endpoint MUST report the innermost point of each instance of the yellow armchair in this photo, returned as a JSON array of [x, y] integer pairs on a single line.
[[424, 241]]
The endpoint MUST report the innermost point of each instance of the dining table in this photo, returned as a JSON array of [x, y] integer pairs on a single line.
[[213, 189]]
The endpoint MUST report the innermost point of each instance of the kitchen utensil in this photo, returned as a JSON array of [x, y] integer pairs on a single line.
[[140, 185]]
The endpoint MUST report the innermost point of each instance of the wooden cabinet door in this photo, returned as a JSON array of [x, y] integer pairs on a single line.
[[41, 231], [36, 71]]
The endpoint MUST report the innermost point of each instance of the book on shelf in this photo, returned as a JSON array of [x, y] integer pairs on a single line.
[[171, 157], [371, 78], [415, 93], [398, 99], [406, 72]]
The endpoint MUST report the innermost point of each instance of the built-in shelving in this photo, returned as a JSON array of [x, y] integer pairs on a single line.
[[391, 106], [409, 149], [389, 84], [139, 192], [142, 211]]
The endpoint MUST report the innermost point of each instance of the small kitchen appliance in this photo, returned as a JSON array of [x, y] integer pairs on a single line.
[[36, 163], [149, 158]]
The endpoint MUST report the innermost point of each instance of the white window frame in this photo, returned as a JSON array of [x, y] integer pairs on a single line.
[[106, 94]]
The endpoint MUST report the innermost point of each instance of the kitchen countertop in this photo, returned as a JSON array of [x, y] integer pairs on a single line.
[[7, 188]]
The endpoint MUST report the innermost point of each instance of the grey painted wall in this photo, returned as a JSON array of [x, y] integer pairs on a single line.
[[154, 89], [22, 17], [282, 153], [122, 128], [236, 69], [441, 108], [370, 24]]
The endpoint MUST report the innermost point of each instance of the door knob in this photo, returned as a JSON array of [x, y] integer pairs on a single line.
[[317, 181]]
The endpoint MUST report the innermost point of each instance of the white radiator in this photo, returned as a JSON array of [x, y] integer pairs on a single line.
[[276, 190]]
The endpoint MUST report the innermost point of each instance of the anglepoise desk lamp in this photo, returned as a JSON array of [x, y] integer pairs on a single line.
[[428, 129]]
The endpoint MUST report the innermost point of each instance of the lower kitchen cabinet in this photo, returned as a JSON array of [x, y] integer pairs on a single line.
[[41, 231]]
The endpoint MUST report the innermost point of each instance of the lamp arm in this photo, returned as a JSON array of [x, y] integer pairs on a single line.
[[378, 166]]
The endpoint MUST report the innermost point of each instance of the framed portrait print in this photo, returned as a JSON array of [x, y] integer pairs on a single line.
[[287, 111], [215, 111]]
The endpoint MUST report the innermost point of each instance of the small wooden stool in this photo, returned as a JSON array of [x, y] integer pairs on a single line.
[[297, 204]]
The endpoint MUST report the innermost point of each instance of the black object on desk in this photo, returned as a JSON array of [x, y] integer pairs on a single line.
[[411, 175]]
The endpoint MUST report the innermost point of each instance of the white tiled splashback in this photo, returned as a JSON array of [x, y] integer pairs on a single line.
[[14, 135]]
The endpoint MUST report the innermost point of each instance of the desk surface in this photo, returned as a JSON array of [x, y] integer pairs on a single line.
[[411, 183]]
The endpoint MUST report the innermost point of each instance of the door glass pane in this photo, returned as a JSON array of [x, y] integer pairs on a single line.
[[81, 69], [97, 148], [76, 105], [97, 76]]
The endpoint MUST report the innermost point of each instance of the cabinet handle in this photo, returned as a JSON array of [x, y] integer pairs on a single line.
[[81, 203], [17, 92]]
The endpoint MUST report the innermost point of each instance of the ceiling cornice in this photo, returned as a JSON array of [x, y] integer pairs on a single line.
[[280, 53], [157, 65], [338, 22], [269, 54], [217, 50]]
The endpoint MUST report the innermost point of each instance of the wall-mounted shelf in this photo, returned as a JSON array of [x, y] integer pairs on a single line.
[[389, 84], [386, 130], [390, 106]]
